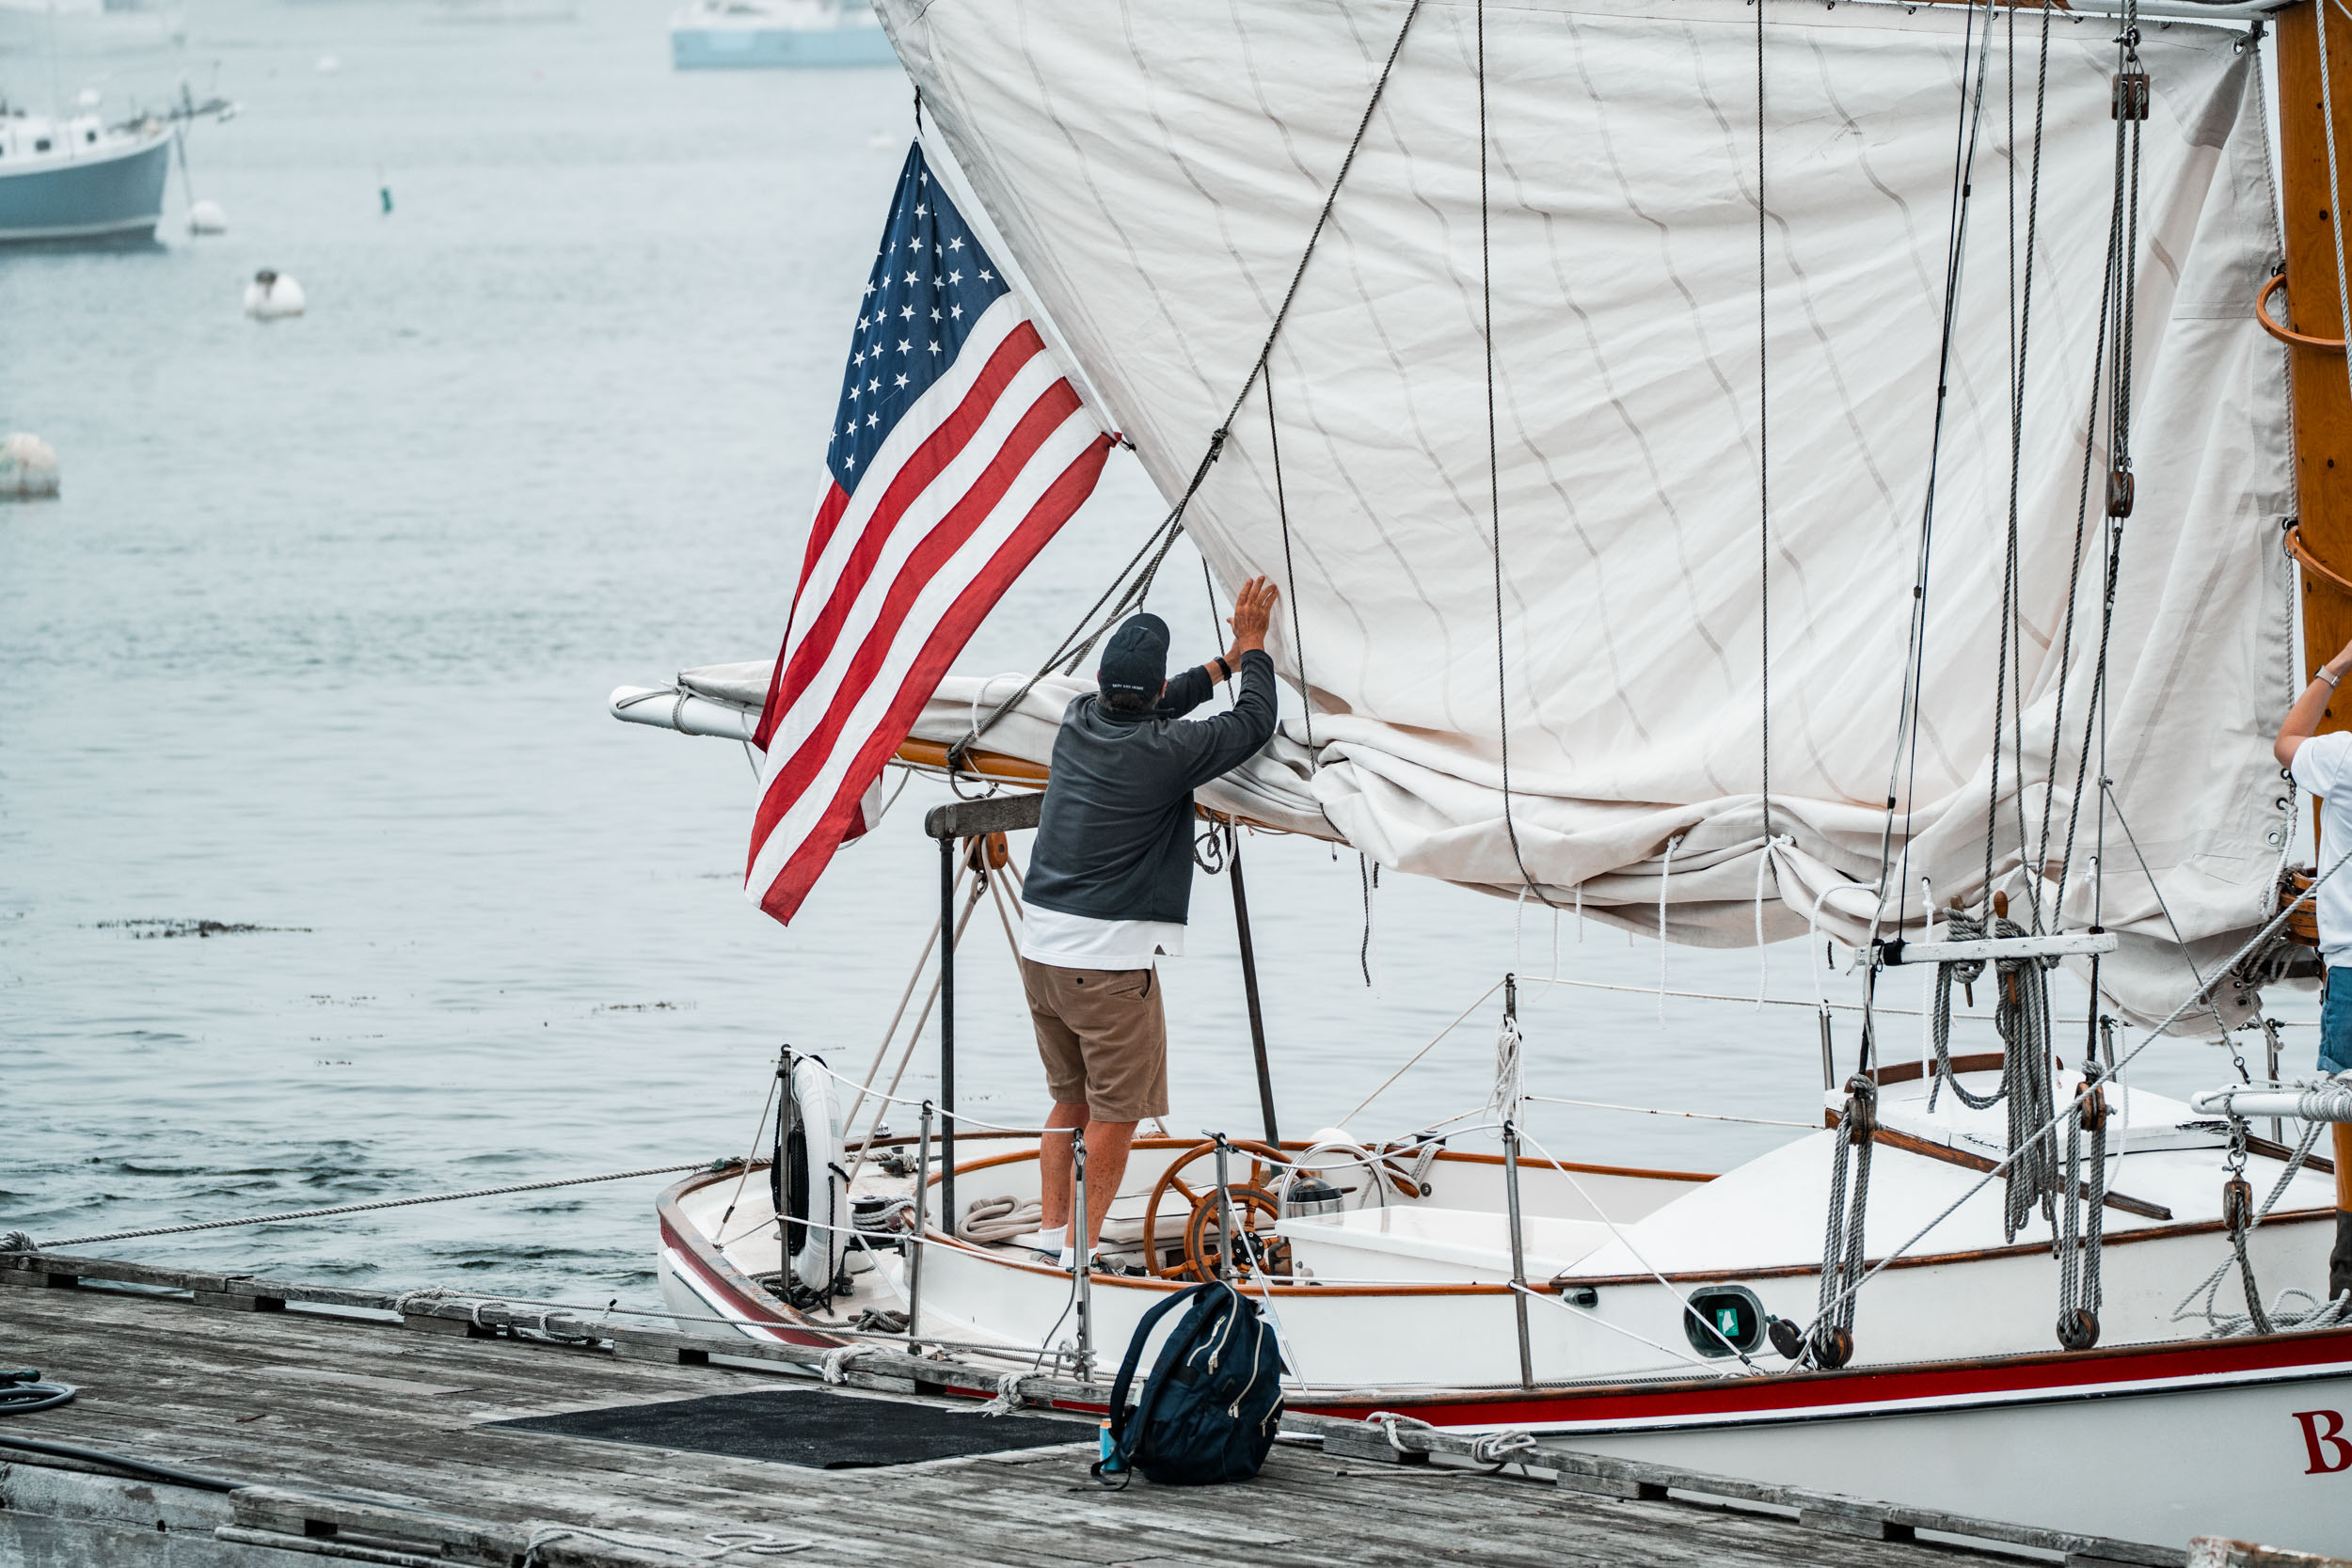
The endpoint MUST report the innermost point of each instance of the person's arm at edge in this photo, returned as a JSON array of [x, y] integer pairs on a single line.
[[2302, 719]]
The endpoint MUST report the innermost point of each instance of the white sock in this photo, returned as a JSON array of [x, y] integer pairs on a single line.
[[1053, 1240], [1068, 1257]]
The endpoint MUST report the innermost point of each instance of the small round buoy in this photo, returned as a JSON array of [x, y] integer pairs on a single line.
[[272, 295], [28, 468], [205, 217]]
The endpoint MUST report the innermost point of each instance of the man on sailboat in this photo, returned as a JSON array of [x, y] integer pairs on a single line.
[[1108, 885], [2322, 763]]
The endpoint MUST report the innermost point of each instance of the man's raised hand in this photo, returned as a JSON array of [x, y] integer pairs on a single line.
[[1253, 607]]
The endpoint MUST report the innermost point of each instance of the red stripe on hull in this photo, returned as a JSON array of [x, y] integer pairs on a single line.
[[1809, 1395], [762, 1314]]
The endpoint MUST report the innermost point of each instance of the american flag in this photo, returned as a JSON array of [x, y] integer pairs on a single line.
[[959, 450]]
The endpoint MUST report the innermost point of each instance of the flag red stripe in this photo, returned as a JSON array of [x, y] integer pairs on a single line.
[[916, 475], [955, 628], [1053, 407], [836, 501]]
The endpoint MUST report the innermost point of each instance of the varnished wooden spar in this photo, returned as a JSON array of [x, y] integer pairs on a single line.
[[2320, 386]]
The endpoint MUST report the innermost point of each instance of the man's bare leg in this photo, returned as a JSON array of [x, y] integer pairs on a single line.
[[1107, 1143], [1054, 1167]]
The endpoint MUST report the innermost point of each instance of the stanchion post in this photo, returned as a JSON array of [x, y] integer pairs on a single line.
[[922, 1221], [1250, 981], [947, 1032], [1225, 1241], [1519, 1249]]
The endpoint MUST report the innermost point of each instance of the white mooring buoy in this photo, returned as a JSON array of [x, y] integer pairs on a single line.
[[205, 217], [28, 468], [272, 295]]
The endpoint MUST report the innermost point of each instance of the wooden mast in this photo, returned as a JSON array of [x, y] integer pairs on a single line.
[[2322, 394]]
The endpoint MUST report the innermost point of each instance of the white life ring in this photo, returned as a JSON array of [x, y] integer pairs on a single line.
[[816, 1192]]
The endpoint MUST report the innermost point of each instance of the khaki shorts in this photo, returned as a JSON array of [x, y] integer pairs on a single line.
[[1103, 1037]]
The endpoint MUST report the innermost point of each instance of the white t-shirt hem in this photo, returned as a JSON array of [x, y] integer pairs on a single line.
[[1062, 941]]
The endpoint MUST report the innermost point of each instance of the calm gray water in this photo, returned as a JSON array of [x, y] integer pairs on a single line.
[[317, 644]]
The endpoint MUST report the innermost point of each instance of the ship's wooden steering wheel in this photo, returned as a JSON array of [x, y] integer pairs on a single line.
[[1255, 1213]]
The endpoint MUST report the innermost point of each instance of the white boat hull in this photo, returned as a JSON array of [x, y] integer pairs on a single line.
[[1957, 1399], [2248, 1455], [113, 191]]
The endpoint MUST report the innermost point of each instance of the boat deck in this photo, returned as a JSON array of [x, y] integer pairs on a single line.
[[361, 1438]]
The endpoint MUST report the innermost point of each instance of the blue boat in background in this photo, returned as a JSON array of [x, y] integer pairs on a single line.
[[722, 35], [78, 179]]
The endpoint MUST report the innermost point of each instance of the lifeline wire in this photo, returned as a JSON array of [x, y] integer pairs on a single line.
[[380, 1203]]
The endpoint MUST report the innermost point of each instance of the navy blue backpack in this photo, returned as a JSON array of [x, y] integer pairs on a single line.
[[1214, 1401]]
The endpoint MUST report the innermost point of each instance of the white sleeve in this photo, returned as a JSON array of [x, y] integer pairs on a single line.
[[2322, 763]]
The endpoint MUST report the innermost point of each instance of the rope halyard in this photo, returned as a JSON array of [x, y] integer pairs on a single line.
[[2189, 1004], [1070, 649], [2022, 1014], [2081, 1236], [1763, 469], [2219, 1325], [1915, 657], [1510, 1085], [1831, 1340], [1494, 471]]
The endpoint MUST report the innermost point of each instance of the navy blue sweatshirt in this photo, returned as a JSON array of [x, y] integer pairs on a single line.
[[1115, 839]]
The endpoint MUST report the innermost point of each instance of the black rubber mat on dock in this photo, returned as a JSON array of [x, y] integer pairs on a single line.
[[824, 1432]]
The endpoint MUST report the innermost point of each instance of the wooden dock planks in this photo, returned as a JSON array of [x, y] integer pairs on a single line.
[[391, 1419]]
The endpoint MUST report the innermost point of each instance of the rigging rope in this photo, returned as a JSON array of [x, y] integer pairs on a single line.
[[1763, 466], [2022, 1014], [2270, 928], [1831, 1339], [1494, 480], [2080, 1235], [1290, 569], [1914, 660], [1175, 525], [363, 1208]]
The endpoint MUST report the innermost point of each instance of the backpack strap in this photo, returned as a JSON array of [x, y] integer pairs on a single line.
[[1135, 1356]]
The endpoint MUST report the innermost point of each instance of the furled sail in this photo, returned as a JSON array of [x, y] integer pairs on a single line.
[[1157, 170]]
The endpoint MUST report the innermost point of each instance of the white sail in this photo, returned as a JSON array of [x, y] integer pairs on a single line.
[[1157, 170]]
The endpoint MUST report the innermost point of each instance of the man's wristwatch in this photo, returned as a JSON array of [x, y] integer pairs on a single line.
[[1225, 670]]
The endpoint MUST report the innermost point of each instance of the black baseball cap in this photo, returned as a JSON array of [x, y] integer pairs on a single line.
[[1135, 657]]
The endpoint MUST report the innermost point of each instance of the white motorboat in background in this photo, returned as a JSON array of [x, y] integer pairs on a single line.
[[748, 34]]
